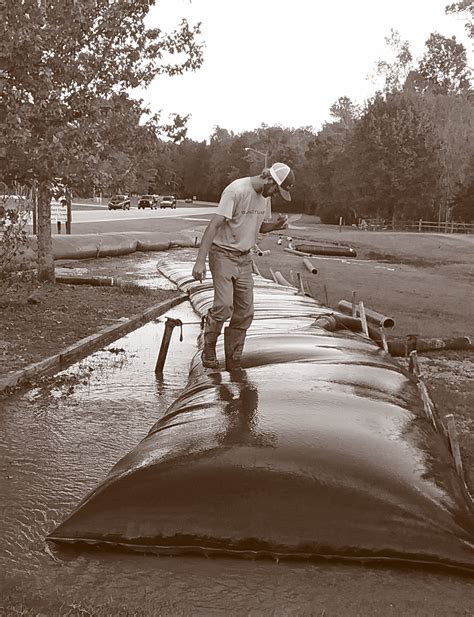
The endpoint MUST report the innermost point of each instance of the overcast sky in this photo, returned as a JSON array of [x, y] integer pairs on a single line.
[[286, 62]]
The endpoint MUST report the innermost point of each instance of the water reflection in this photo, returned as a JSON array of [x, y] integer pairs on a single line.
[[59, 440], [239, 396]]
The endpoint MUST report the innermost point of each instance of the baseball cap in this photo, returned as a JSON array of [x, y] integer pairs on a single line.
[[284, 177]]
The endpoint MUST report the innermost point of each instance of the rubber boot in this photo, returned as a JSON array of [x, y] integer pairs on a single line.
[[208, 356], [234, 340]]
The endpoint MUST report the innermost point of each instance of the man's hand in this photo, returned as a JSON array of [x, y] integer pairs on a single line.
[[199, 271], [281, 222]]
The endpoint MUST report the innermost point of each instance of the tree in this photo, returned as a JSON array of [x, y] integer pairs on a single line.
[[453, 124], [464, 7], [66, 68], [463, 201], [443, 68], [219, 147], [395, 71], [326, 163], [394, 153], [345, 112]]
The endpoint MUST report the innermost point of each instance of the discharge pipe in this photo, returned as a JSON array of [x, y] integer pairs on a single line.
[[309, 266], [372, 316], [170, 324]]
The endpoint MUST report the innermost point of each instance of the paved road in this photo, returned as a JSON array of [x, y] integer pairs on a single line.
[[94, 218], [91, 216]]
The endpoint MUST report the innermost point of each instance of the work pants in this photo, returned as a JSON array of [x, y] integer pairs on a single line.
[[233, 290]]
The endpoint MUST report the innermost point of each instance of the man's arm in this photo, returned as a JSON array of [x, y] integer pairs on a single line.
[[199, 270], [280, 223]]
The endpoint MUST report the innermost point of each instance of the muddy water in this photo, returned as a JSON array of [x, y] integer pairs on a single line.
[[59, 442], [139, 268]]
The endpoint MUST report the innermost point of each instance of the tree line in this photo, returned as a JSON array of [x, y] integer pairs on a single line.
[[67, 70], [406, 154]]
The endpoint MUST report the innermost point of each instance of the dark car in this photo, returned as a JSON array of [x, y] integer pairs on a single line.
[[147, 201], [119, 202], [168, 201]]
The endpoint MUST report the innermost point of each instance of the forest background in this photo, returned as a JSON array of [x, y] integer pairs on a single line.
[[70, 120]]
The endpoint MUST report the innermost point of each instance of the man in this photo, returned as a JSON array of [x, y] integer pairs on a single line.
[[244, 211]]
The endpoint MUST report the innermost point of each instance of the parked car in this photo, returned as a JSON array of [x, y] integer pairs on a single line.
[[147, 201], [168, 201], [188, 200], [119, 202]]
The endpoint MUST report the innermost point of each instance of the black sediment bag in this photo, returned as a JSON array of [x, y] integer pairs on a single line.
[[318, 447], [329, 250]]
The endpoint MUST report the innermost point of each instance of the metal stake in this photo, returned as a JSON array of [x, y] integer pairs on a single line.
[[165, 342]]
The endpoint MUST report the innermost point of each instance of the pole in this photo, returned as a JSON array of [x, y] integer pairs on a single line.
[[165, 342], [69, 211], [354, 306], [34, 193], [363, 319]]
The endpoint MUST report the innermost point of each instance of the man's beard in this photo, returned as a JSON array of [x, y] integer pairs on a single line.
[[267, 190]]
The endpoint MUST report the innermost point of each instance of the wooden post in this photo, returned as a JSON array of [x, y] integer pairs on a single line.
[[411, 344], [454, 444], [340, 223], [384, 339], [427, 403], [326, 295], [273, 276], [301, 284], [363, 319], [255, 268], [414, 366], [354, 306], [420, 224]]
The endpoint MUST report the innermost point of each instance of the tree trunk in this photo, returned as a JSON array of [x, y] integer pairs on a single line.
[[69, 211], [45, 244], [34, 206]]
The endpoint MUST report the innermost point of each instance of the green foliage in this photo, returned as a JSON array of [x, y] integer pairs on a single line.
[[464, 8], [66, 69], [443, 68], [453, 124], [463, 202], [395, 163], [327, 165], [14, 216], [395, 71]]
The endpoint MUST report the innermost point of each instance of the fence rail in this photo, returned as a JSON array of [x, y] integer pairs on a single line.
[[450, 227]]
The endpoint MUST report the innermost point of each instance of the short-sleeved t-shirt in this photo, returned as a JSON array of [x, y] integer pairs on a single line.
[[245, 210]]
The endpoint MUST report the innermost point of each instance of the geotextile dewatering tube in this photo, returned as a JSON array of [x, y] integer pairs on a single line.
[[329, 250], [319, 446]]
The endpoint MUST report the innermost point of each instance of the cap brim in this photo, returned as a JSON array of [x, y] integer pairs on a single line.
[[284, 194]]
